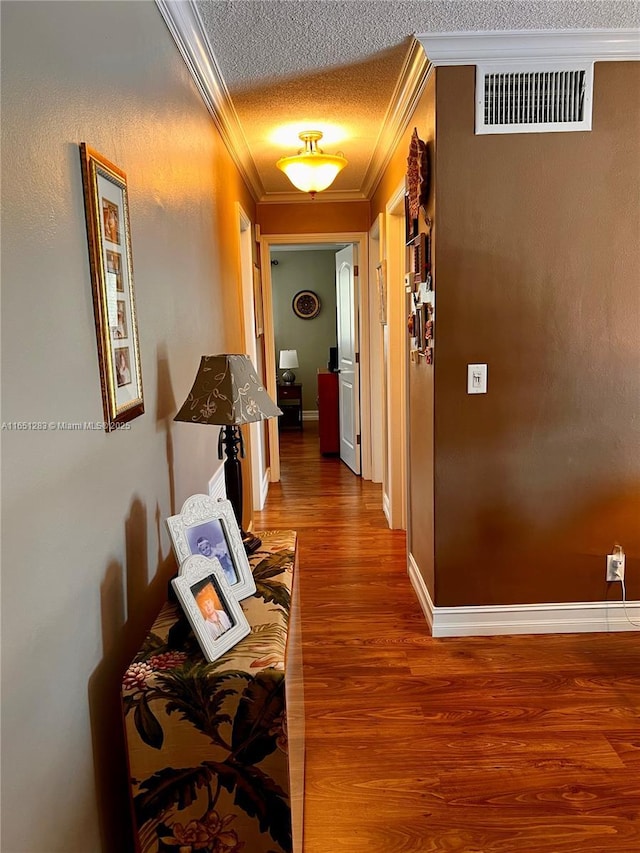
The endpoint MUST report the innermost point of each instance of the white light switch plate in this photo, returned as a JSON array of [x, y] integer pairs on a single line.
[[476, 379], [427, 297]]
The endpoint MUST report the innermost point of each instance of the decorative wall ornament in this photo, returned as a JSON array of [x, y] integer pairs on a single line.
[[306, 304], [417, 177]]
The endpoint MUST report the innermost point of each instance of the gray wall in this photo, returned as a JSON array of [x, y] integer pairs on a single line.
[[85, 557], [305, 270]]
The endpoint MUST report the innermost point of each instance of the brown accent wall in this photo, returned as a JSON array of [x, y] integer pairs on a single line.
[[538, 275], [313, 217]]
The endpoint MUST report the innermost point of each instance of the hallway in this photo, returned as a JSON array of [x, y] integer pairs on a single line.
[[484, 745]]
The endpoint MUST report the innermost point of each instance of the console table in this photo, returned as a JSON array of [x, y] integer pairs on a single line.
[[216, 750]]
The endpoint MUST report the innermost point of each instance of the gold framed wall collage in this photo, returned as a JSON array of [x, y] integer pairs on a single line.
[[109, 238]]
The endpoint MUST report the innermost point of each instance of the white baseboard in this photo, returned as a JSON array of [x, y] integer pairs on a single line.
[[386, 508], [265, 487], [310, 415], [550, 618], [420, 588], [218, 491], [217, 488]]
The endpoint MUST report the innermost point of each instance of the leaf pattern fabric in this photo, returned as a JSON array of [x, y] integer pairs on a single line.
[[208, 742]]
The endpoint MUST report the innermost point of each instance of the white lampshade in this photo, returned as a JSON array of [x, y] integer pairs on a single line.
[[312, 170], [288, 359]]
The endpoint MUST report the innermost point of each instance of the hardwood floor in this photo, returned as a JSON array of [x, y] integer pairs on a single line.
[[527, 744]]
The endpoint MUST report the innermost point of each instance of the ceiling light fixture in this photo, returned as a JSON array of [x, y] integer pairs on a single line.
[[311, 170]]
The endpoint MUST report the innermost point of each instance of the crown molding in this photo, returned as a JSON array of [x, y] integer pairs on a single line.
[[185, 25], [426, 52], [413, 77], [472, 48]]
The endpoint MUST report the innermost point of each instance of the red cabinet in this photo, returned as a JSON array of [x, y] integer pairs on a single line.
[[328, 417]]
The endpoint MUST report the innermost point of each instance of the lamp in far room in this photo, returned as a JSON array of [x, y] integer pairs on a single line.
[[288, 359], [226, 393]]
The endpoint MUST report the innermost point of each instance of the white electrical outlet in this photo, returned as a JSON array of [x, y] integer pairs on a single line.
[[615, 567]]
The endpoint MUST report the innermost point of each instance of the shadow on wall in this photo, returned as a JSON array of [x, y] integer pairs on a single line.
[[121, 639], [129, 604], [165, 410]]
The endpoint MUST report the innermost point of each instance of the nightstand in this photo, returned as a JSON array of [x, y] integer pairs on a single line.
[[290, 401]]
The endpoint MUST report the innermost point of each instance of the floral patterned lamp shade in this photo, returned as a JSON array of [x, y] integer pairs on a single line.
[[227, 392]]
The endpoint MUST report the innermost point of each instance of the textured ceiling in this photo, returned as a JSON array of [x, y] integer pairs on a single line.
[[292, 65]]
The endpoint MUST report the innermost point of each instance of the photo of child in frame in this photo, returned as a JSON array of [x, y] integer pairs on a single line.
[[209, 540], [213, 612], [111, 220], [123, 366], [114, 266], [120, 330]]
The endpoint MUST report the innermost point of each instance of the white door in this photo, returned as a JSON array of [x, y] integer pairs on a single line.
[[348, 357]]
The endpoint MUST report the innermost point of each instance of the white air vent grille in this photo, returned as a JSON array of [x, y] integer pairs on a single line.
[[533, 100]]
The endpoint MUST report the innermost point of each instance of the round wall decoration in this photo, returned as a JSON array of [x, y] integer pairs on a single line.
[[306, 304]]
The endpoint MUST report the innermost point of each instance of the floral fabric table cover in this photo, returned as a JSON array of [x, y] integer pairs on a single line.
[[207, 742]]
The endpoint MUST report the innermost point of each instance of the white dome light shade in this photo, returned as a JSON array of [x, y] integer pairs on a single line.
[[312, 171]]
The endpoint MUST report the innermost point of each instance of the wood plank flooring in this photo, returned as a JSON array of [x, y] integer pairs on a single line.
[[527, 744]]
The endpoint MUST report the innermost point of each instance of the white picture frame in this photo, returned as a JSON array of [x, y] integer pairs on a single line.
[[203, 518], [214, 613]]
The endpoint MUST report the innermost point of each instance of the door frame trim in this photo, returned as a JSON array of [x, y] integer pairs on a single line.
[[396, 368], [375, 351], [256, 444], [360, 239]]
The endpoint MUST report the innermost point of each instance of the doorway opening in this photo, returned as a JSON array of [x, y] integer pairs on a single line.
[[287, 250]]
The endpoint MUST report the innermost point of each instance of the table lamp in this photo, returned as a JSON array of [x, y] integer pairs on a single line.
[[288, 359], [226, 393]]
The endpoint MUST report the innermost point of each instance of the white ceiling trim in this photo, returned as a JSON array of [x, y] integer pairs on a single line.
[[471, 48], [426, 52], [185, 25], [408, 90]]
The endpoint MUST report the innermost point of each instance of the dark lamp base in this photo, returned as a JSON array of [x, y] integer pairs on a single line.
[[251, 543], [288, 377]]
